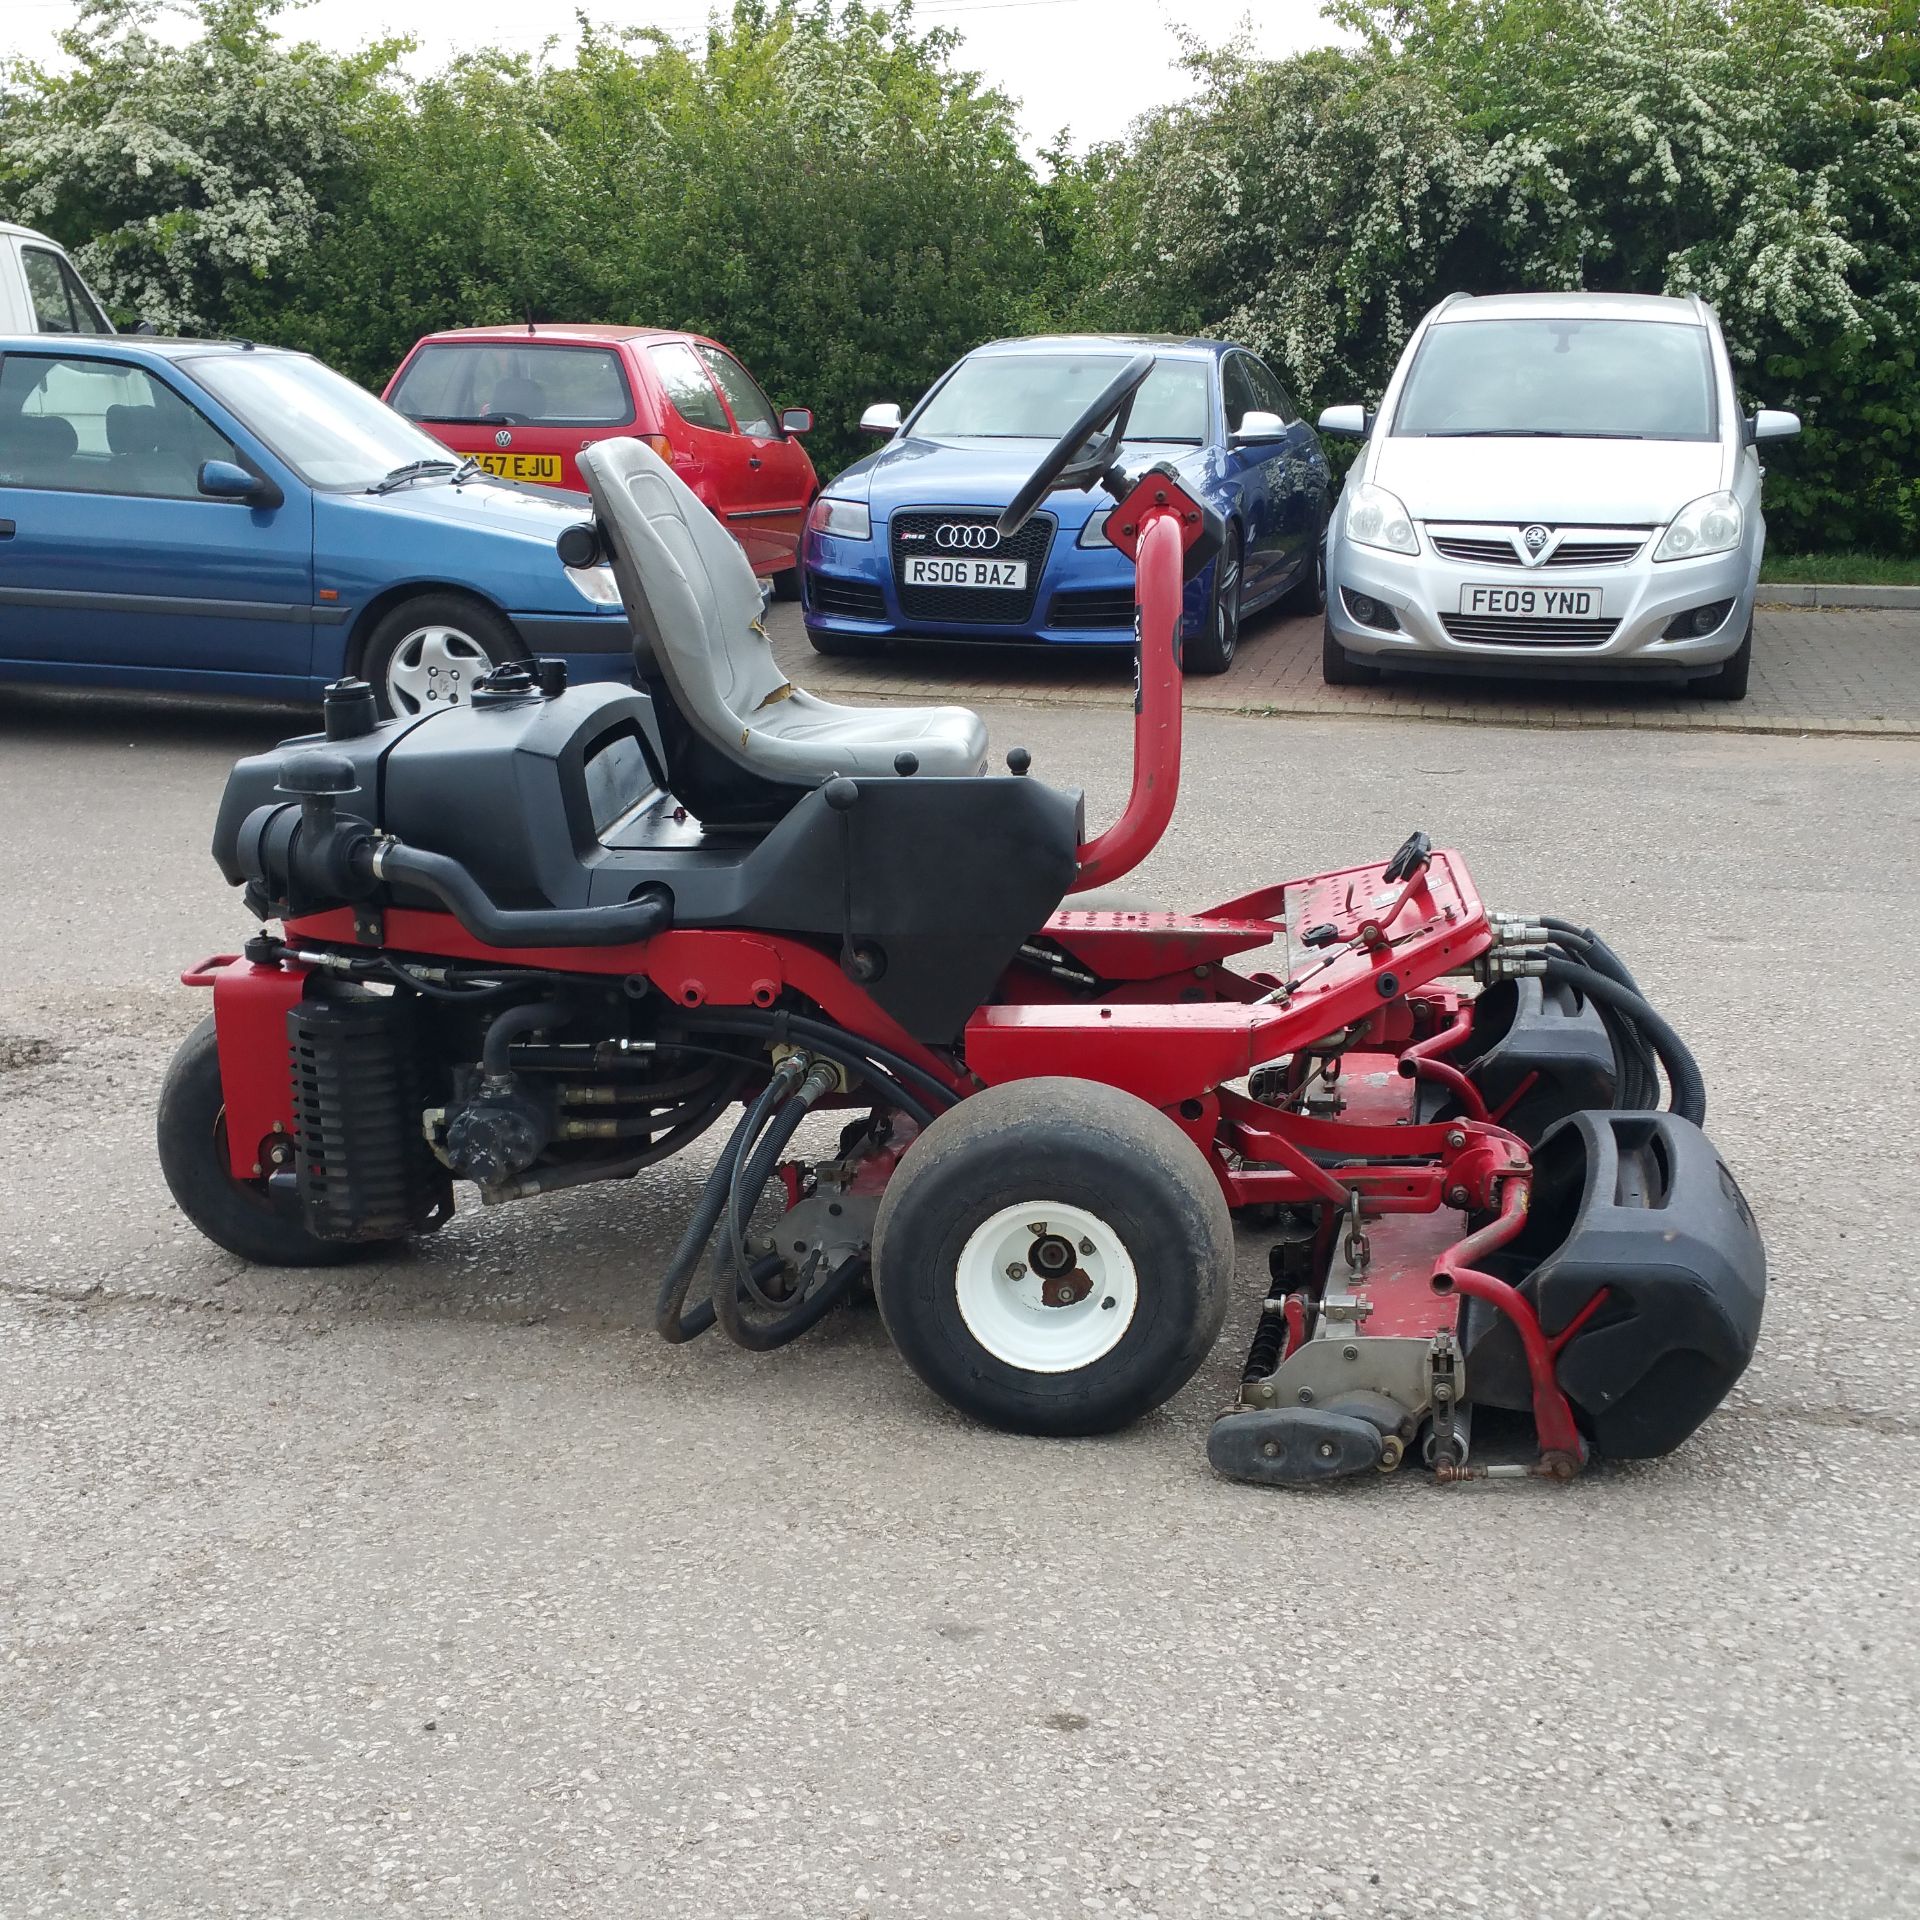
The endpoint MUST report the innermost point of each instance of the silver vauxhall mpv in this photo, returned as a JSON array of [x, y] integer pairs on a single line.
[[1554, 482]]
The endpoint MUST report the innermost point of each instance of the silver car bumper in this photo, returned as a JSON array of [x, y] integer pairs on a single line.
[[1636, 603]]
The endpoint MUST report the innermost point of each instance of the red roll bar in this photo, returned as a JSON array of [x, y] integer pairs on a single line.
[[1154, 526]]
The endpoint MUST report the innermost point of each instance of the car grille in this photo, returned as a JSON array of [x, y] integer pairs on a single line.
[[1093, 607], [847, 599], [1502, 552], [971, 606], [1482, 553], [1485, 630]]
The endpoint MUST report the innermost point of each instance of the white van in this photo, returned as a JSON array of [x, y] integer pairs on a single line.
[[39, 290]]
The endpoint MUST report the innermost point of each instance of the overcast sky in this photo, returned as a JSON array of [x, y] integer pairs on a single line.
[[1086, 64]]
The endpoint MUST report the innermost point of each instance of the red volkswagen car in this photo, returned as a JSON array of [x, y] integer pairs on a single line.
[[525, 401]]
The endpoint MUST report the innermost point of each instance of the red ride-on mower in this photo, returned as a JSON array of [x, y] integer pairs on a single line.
[[555, 935]]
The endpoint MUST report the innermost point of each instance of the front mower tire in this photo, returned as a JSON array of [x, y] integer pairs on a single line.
[[235, 1214], [1053, 1184]]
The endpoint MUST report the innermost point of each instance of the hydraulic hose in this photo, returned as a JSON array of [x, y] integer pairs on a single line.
[[507, 1027], [890, 1072], [1603, 960], [681, 1133], [670, 1320], [1636, 1078], [1683, 1072], [734, 1268]]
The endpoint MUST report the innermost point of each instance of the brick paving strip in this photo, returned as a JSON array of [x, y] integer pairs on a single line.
[[1815, 671]]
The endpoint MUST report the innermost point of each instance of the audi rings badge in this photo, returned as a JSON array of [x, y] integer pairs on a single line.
[[956, 536]]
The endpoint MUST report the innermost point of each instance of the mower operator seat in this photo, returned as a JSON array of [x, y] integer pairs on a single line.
[[695, 604]]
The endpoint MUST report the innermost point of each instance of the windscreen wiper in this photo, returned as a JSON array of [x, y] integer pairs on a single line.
[[411, 470]]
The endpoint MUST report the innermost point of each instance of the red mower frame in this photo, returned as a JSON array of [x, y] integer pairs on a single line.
[[1364, 955]]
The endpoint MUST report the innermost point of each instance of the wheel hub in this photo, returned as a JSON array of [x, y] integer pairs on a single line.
[[1047, 1288]]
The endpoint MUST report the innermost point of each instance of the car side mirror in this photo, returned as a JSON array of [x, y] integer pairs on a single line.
[[796, 420], [1345, 423], [882, 417], [226, 480], [1772, 423], [1257, 427]]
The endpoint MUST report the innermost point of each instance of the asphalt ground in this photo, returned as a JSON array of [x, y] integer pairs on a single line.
[[441, 1587]]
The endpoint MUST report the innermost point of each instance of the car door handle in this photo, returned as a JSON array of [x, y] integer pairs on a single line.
[[6, 529], [753, 460]]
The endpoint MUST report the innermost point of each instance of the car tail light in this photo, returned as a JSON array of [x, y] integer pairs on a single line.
[[660, 444]]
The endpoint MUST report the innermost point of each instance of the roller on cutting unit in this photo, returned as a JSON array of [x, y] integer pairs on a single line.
[[555, 936]]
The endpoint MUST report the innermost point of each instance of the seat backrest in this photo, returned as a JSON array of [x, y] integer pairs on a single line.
[[37, 450], [690, 592]]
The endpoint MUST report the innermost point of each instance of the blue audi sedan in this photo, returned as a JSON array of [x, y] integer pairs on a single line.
[[217, 517], [903, 542]]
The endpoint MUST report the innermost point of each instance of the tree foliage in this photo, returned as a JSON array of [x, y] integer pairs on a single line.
[[818, 184], [1764, 154], [184, 177]]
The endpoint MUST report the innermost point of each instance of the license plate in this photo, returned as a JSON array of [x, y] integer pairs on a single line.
[[930, 570], [1563, 603], [541, 468]]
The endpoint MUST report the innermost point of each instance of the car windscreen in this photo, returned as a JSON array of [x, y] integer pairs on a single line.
[[331, 432], [1038, 396], [450, 382], [1585, 379]]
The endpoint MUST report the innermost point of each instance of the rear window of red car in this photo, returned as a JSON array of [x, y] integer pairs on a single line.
[[535, 386]]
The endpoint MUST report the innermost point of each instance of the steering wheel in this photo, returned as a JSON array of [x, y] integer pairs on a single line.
[[1060, 468]]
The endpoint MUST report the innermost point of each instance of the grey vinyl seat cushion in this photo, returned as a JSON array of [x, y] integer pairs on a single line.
[[695, 604]]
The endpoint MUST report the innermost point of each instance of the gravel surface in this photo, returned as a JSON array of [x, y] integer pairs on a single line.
[[440, 1587]]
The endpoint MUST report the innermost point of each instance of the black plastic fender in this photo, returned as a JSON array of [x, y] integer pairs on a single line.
[[1640, 1208]]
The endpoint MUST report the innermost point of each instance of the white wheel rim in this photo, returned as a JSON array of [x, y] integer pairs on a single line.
[[434, 667], [1026, 1307]]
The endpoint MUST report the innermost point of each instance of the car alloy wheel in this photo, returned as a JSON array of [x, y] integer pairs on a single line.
[[434, 667], [1226, 603]]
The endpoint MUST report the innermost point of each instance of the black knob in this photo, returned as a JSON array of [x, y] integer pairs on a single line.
[[307, 775], [906, 763], [552, 676], [579, 545], [511, 680], [1324, 935], [1018, 760], [841, 793], [348, 708]]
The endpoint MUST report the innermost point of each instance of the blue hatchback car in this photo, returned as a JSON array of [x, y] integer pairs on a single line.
[[216, 517], [903, 542]]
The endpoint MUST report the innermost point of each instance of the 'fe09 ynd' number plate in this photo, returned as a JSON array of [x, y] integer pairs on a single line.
[[1564, 603]]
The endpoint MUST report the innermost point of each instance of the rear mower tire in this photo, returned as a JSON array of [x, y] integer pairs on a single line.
[[232, 1213], [1113, 1185]]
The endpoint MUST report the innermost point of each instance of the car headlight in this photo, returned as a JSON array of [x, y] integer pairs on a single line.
[[1711, 524], [597, 584], [1375, 518], [844, 519], [1094, 533]]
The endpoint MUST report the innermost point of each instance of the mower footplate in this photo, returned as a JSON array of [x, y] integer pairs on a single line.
[[1297, 1446]]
